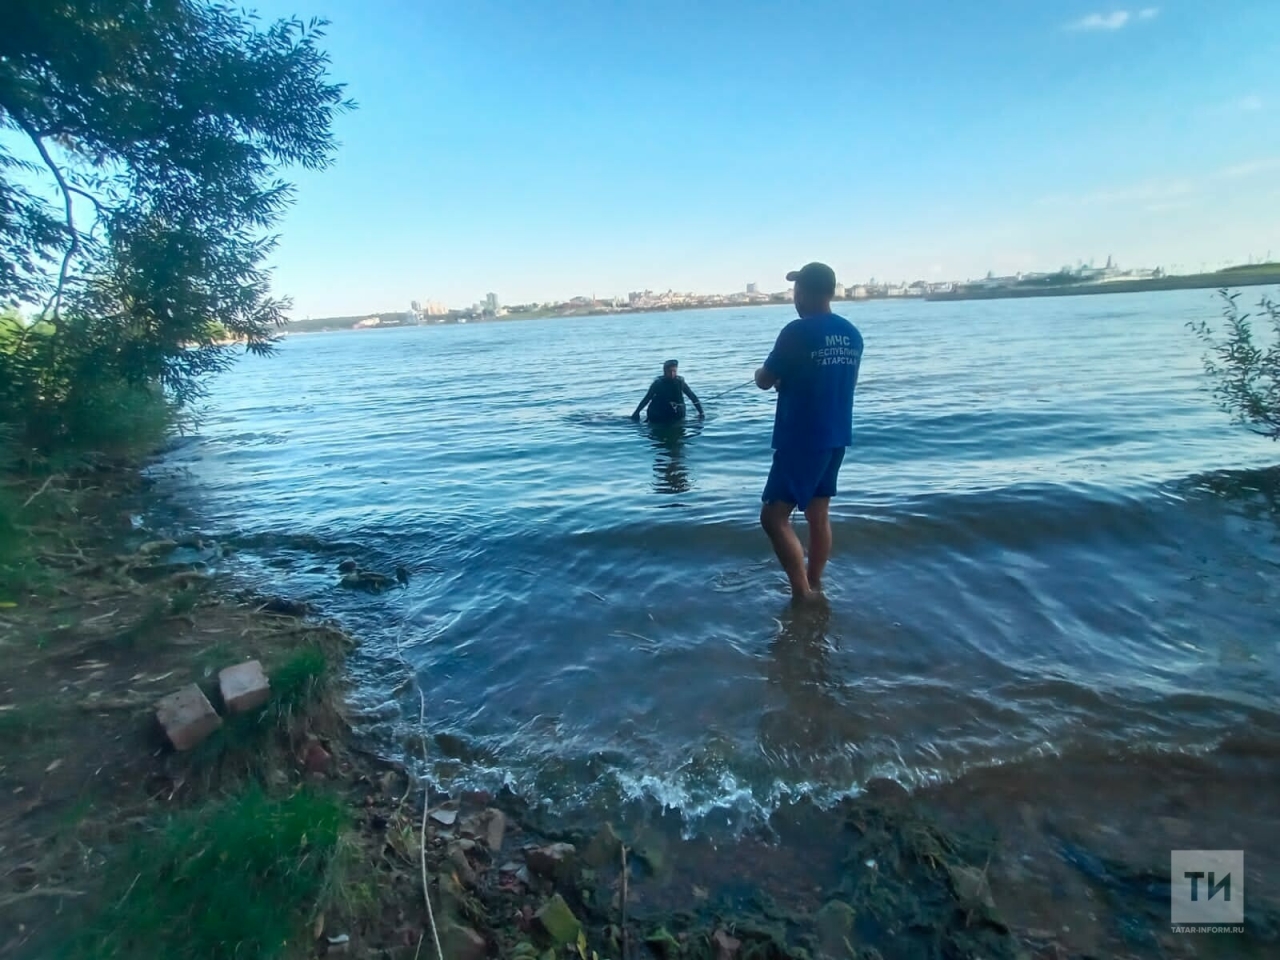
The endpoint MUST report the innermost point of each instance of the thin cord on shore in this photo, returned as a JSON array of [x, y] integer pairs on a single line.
[[426, 782]]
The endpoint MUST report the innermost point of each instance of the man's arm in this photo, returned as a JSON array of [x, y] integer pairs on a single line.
[[777, 364], [643, 403], [692, 396]]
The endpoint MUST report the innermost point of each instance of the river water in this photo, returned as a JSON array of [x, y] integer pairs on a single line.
[[1048, 538]]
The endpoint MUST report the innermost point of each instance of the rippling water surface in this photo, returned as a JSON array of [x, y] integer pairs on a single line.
[[1047, 538]]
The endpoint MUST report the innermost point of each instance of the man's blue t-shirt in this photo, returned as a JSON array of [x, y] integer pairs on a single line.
[[816, 361]]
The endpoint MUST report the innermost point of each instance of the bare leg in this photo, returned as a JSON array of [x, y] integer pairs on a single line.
[[819, 539], [776, 519]]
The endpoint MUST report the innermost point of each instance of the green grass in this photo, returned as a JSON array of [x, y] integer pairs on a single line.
[[299, 681], [19, 571], [240, 878], [26, 723], [245, 745]]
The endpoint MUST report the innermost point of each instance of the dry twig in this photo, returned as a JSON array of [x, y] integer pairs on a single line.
[[12, 898], [44, 486]]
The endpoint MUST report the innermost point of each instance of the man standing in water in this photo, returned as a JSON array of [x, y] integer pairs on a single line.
[[814, 366], [666, 397]]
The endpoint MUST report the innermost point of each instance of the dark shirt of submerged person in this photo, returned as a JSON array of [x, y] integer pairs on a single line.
[[814, 367], [665, 398]]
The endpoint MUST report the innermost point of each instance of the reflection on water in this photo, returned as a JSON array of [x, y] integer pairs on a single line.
[[670, 470], [805, 722]]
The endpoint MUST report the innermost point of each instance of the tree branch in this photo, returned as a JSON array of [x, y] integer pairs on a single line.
[[55, 302], [97, 204], [98, 208]]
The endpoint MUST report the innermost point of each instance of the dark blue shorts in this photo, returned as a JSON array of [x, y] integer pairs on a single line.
[[797, 476]]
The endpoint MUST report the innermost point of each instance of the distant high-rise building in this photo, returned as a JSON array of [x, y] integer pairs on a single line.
[[491, 303], [751, 288]]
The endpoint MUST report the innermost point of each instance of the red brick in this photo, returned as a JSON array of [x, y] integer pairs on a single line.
[[244, 687], [187, 717]]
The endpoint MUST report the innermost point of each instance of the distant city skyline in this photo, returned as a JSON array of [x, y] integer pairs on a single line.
[[1112, 268], [612, 147]]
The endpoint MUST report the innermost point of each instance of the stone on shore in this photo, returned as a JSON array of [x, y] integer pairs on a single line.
[[834, 924], [155, 547], [553, 862], [316, 758], [462, 943], [651, 851], [727, 947], [971, 886], [458, 857], [495, 829], [559, 922], [444, 816], [187, 717], [489, 826], [244, 687], [605, 848]]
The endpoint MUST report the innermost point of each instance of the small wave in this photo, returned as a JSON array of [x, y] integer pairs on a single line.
[[1011, 518]]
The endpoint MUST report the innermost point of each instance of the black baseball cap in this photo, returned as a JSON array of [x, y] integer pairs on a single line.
[[671, 363], [816, 278]]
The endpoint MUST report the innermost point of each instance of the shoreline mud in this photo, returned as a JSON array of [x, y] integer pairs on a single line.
[[1059, 857]]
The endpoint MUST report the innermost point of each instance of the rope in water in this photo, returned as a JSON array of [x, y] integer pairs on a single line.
[[426, 783], [744, 383]]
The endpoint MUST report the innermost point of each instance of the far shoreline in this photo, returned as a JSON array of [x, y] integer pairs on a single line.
[[1213, 281], [1194, 281]]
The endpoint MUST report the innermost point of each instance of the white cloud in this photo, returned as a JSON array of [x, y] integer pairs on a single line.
[[1250, 103], [1115, 20], [1102, 21], [1249, 168], [1150, 192]]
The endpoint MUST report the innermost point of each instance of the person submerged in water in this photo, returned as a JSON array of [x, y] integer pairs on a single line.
[[665, 398]]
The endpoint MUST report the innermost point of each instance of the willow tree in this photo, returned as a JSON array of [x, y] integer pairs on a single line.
[[1243, 363], [142, 150]]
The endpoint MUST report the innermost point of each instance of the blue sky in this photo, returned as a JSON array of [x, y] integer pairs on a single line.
[[549, 149]]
